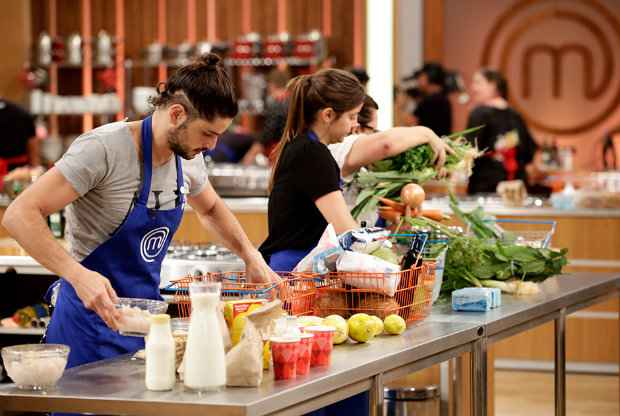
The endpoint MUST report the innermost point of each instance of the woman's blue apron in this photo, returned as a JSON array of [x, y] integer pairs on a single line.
[[131, 259], [285, 261]]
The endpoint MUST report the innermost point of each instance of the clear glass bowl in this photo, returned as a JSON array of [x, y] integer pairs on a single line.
[[135, 314], [35, 366]]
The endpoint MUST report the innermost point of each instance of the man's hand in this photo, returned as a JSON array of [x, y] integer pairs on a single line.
[[257, 271], [97, 294]]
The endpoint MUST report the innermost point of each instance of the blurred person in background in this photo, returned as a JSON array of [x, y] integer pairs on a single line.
[[361, 75], [19, 147], [509, 146], [432, 106], [276, 109]]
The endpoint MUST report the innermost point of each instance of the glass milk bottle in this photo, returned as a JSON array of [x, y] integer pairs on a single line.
[[205, 358], [160, 355]]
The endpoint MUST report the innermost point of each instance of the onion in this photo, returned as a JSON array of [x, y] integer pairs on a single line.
[[412, 195]]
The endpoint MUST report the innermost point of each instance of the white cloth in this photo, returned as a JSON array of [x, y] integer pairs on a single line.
[[341, 150]]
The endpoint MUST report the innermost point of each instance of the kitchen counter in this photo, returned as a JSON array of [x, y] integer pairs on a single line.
[[116, 386], [259, 205]]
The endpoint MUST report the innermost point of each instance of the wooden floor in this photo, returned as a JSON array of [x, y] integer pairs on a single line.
[[531, 394]]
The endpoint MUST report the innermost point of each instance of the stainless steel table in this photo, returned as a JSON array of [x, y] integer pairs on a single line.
[[560, 296], [117, 386]]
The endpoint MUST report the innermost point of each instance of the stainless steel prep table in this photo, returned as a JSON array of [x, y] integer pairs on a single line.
[[117, 386], [560, 296]]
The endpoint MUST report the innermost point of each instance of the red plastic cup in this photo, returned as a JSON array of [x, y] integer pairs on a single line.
[[322, 345], [304, 354], [284, 355]]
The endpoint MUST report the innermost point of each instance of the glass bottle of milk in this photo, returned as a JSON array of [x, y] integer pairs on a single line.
[[205, 358], [160, 355]]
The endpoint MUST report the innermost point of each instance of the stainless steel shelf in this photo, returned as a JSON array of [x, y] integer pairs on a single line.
[[21, 331]]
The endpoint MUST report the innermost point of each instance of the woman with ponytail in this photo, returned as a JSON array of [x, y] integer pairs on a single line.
[[305, 188]]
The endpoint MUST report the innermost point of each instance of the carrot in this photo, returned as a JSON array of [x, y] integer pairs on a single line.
[[393, 204], [389, 214], [432, 214]]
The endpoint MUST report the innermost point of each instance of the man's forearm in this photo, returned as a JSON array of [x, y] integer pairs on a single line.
[[224, 223], [28, 227]]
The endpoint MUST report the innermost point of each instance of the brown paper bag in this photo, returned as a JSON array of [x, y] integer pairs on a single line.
[[244, 362]]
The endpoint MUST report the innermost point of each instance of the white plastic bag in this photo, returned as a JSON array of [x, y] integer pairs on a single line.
[[351, 261], [323, 257]]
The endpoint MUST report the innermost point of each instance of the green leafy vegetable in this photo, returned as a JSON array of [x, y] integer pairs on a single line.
[[480, 261], [386, 177]]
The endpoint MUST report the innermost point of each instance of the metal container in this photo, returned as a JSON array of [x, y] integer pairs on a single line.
[[277, 46], [44, 52], [154, 53], [105, 49], [203, 48], [74, 49], [230, 179], [411, 401]]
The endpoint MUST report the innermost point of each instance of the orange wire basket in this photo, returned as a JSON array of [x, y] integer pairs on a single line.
[[406, 293], [297, 291]]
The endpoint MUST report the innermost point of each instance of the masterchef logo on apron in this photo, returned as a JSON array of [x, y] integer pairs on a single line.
[[152, 243]]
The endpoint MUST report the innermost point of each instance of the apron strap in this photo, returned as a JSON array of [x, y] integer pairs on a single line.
[[146, 133], [180, 182]]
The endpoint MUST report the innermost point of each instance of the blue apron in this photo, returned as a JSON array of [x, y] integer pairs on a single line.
[[131, 259], [284, 261]]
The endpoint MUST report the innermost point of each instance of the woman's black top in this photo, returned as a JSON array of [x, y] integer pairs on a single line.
[[306, 172], [488, 170]]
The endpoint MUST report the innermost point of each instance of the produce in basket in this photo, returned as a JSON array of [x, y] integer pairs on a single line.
[[414, 292], [386, 254], [365, 271], [375, 304], [332, 301]]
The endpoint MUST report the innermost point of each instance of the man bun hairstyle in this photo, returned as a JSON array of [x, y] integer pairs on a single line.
[[202, 87]]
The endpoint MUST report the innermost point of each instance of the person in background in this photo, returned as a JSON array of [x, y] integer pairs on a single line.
[[361, 75], [232, 146], [276, 108], [367, 119], [433, 108], [509, 146], [19, 146]]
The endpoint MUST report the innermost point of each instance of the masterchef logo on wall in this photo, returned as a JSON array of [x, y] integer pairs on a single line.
[[153, 242], [562, 60]]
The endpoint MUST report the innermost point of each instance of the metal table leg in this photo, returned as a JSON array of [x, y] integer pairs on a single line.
[[560, 364], [376, 396], [479, 377]]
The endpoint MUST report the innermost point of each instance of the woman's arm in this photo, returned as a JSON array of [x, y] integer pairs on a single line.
[[377, 146], [335, 211]]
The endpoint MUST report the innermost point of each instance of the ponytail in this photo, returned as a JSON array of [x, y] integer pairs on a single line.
[[309, 94]]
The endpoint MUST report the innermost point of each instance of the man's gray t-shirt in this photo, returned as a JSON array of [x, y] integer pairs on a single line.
[[104, 169]]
